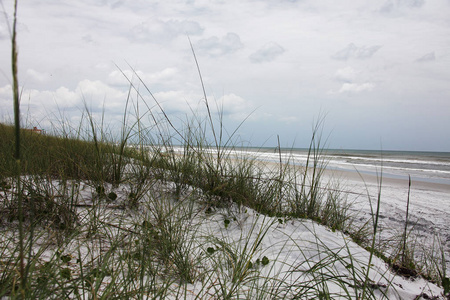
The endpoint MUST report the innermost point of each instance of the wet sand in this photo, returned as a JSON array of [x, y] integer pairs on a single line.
[[354, 176], [428, 217]]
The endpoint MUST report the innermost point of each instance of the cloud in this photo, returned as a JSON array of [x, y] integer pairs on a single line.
[[118, 78], [117, 4], [215, 47], [179, 101], [88, 38], [35, 105], [38, 76], [155, 31], [427, 57], [390, 6], [233, 104], [267, 53], [347, 74], [3, 32], [288, 119], [101, 94], [356, 88], [387, 7], [351, 51], [97, 95], [6, 99], [411, 3], [351, 81]]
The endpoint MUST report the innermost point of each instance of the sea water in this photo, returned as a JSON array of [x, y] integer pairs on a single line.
[[421, 166]]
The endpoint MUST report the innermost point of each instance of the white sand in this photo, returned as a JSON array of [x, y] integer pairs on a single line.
[[428, 208]]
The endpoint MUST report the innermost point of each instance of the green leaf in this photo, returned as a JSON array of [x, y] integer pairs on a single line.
[[66, 258], [65, 273], [100, 190], [112, 196], [446, 285], [226, 222]]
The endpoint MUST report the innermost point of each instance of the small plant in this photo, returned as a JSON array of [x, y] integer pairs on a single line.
[[5, 185], [112, 196], [100, 189], [446, 285]]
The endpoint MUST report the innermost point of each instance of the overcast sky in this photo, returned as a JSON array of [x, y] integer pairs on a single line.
[[378, 70]]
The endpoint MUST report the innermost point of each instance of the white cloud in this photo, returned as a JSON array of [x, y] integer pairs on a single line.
[[347, 74], [155, 31], [41, 104], [427, 57], [389, 6], [81, 40], [288, 119], [411, 3], [3, 32], [6, 98], [38, 76], [178, 101], [100, 94], [215, 46], [356, 88], [267, 53], [118, 78], [352, 51], [233, 104]]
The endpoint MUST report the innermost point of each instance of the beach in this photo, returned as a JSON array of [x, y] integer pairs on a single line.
[[428, 218], [199, 249], [359, 176]]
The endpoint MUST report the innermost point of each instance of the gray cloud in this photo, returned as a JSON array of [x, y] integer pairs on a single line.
[[151, 36], [427, 57], [267, 53], [356, 88], [155, 31], [387, 7], [347, 74], [214, 46], [390, 6], [117, 4], [351, 51], [3, 32], [411, 3]]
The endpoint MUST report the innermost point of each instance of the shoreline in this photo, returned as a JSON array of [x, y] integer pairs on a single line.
[[428, 215], [364, 177]]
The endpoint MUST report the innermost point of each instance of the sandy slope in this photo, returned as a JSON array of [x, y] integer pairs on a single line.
[[303, 256], [428, 209]]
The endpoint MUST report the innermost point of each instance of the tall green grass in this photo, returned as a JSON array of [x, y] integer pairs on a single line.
[[138, 234]]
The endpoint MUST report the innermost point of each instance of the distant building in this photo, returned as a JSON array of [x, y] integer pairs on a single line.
[[36, 130]]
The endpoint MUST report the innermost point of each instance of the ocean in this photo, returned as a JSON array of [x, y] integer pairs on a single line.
[[421, 166]]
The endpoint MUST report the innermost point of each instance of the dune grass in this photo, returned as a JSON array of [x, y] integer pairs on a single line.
[[141, 234]]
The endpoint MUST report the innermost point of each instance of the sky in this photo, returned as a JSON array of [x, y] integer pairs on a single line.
[[376, 72]]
